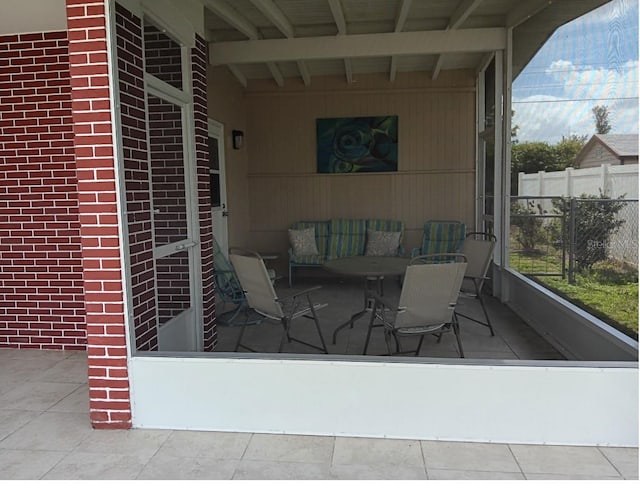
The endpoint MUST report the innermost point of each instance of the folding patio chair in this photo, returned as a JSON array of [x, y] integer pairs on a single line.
[[229, 290], [427, 302], [478, 248], [262, 299], [228, 287]]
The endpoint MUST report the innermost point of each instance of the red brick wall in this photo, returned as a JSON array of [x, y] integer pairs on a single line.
[[136, 176], [171, 293], [109, 401], [162, 56], [199, 75], [167, 171], [41, 289]]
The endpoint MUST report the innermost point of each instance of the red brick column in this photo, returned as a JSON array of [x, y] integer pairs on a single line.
[[110, 405]]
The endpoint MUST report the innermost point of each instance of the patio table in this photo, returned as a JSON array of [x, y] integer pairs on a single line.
[[373, 269]]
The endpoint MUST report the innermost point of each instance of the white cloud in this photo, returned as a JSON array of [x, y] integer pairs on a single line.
[[584, 88]]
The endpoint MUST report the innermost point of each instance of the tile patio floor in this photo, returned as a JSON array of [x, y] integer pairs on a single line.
[[513, 340], [45, 432]]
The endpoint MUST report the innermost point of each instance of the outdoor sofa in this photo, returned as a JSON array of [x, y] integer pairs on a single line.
[[313, 242]]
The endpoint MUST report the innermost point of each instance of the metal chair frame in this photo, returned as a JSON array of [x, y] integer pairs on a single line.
[[382, 307], [477, 274], [227, 287], [252, 273]]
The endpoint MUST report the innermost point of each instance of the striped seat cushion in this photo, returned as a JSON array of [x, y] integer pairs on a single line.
[[347, 237], [442, 237]]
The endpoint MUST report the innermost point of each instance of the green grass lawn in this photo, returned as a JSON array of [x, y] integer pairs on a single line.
[[609, 292], [616, 304], [536, 263]]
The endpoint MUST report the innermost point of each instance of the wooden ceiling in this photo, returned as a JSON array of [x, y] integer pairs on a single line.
[[305, 38]]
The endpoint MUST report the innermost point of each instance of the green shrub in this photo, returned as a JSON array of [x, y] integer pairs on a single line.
[[594, 223], [530, 229]]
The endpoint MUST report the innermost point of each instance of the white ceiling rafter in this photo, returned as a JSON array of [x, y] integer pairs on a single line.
[[276, 74], [237, 21], [460, 14], [232, 17], [524, 11], [403, 13], [341, 24], [272, 12], [358, 45], [304, 72], [295, 38], [238, 74], [338, 16], [437, 67], [484, 62]]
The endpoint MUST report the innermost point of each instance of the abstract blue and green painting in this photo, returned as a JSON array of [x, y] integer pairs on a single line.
[[357, 144]]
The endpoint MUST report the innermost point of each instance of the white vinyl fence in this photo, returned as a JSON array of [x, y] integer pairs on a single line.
[[612, 181]]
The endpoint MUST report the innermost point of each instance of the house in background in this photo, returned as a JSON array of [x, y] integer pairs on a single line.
[[614, 149], [116, 116]]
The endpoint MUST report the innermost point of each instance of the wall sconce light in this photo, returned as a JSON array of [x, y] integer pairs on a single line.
[[237, 136]]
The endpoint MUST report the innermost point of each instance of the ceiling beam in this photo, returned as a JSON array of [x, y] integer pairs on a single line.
[[484, 62], [237, 21], [276, 73], [348, 70], [273, 13], [462, 11], [460, 14], [238, 74], [341, 24], [357, 45], [338, 16], [304, 72], [405, 6], [400, 21], [393, 68], [524, 11], [437, 67], [233, 18]]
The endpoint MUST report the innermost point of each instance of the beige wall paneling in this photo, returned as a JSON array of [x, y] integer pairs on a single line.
[[436, 154], [226, 104]]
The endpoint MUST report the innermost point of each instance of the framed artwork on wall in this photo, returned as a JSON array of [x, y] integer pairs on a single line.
[[357, 144]]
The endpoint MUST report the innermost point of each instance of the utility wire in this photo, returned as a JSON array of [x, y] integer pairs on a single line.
[[575, 100]]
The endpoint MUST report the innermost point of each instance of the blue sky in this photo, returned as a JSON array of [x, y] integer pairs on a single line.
[[592, 60]]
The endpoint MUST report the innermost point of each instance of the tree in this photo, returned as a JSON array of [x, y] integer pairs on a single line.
[[595, 221], [514, 129], [601, 117], [568, 148], [531, 157]]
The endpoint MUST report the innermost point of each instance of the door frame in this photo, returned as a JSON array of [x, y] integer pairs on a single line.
[[191, 319], [215, 129]]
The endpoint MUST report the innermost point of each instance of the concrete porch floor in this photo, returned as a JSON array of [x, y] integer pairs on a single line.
[[45, 431], [45, 434], [514, 339]]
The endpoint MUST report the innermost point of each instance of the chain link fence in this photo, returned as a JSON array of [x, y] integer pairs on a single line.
[[538, 237], [602, 230], [558, 236]]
